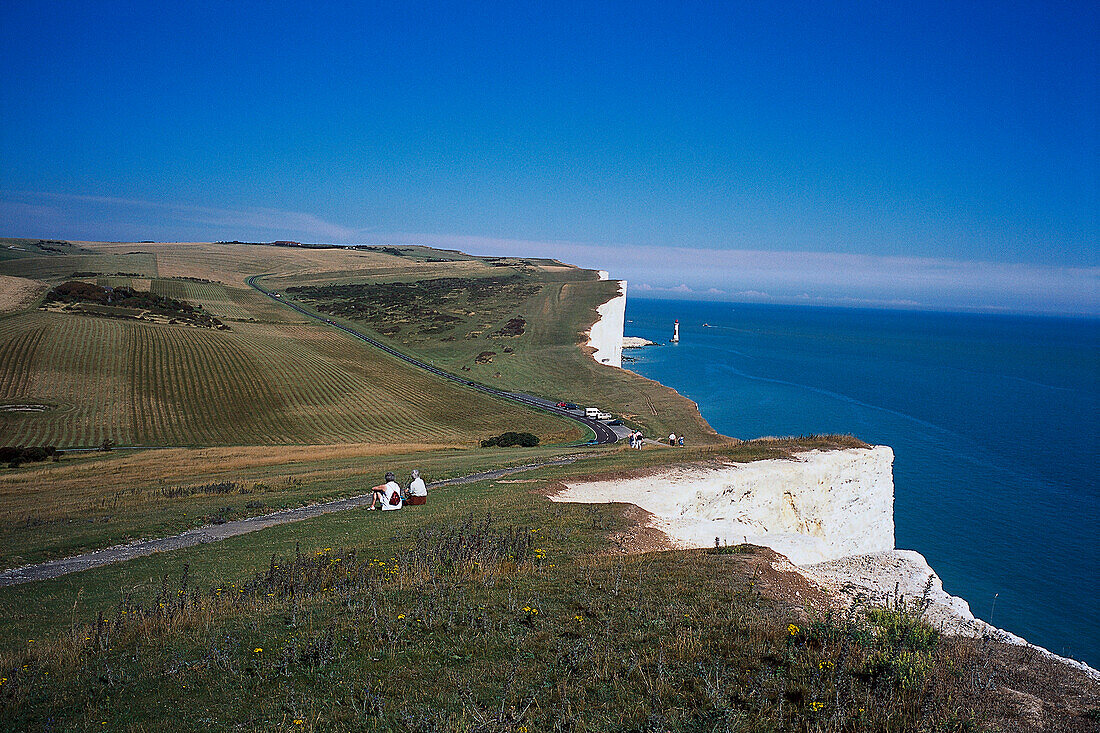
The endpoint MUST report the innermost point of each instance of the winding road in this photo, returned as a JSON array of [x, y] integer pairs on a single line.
[[215, 532], [604, 434]]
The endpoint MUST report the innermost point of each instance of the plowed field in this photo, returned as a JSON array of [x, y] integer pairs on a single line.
[[154, 384]]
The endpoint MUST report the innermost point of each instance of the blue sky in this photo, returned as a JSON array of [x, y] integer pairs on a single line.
[[925, 155]]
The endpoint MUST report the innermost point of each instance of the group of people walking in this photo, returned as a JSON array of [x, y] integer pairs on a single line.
[[390, 495]]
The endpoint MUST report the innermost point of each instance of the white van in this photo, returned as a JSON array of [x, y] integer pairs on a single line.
[[591, 412]]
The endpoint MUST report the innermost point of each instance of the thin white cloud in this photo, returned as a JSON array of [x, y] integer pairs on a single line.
[[82, 217], [827, 278], [817, 277]]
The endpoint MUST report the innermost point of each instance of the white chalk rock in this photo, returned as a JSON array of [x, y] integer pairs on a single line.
[[606, 336], [819, 505]]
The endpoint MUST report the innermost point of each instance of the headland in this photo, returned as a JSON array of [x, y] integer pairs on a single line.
[[496, 608]]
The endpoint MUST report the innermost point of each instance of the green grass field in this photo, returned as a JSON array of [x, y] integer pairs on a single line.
[[558, 305], [93, 500], [489, 609], [63, 267]]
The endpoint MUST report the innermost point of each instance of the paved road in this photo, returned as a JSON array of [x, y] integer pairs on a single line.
[[216, 532], [604, 434]]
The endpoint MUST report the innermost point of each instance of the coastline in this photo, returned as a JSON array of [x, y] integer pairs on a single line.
[[829, 513], [606, 335], [988, 513]]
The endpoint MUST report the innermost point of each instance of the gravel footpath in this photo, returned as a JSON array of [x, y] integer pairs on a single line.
[[215, 532]]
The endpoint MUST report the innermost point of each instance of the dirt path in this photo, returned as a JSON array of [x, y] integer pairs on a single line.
[[215, 532]]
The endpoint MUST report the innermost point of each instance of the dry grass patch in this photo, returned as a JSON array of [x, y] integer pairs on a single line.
[[17, 293]]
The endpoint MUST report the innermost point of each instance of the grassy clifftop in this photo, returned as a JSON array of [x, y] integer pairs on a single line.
[[492, 609], [77, 379]]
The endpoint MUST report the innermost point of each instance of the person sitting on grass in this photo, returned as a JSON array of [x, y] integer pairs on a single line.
[[388, 495], [418, 491]]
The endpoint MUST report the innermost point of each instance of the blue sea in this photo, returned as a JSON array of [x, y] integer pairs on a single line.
[[993, 420]]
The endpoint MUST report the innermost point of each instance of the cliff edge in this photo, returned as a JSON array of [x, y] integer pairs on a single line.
[[830, 512], [606, 335]]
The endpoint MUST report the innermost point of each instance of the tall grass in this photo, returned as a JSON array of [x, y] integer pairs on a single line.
[[485, 626]]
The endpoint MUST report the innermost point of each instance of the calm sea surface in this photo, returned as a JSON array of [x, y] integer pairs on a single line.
[[993, 421]]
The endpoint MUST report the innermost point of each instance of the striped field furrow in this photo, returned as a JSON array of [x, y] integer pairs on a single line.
[[259, 383]]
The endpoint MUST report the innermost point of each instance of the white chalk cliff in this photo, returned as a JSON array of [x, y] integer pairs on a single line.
[[606, 336], [830, 512], [818, 506]]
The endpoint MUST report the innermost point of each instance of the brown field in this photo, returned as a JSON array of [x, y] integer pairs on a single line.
[[17, 293], [149, 384]]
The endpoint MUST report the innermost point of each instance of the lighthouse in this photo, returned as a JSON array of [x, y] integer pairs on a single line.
[[676, 332]]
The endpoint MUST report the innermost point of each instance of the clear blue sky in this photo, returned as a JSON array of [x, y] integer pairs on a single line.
[[870, 135]]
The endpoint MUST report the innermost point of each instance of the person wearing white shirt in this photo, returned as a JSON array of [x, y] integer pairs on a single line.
[[418, 491], [388, 494]]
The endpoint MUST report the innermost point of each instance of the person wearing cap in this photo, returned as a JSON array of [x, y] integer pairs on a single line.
[[388, 495], [418, 491]]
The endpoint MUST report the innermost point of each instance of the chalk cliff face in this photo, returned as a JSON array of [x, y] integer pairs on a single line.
[[820, 505], [606, 336], [831, 513]]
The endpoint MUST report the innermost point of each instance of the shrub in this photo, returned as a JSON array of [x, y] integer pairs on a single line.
[[507, 440], [14, 456]]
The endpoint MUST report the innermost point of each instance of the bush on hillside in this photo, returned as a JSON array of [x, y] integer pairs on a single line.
[[14, 456], [507, 440]]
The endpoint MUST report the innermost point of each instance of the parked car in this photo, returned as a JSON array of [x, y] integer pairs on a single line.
[[604, 416], [571, 406], [562, 404]]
